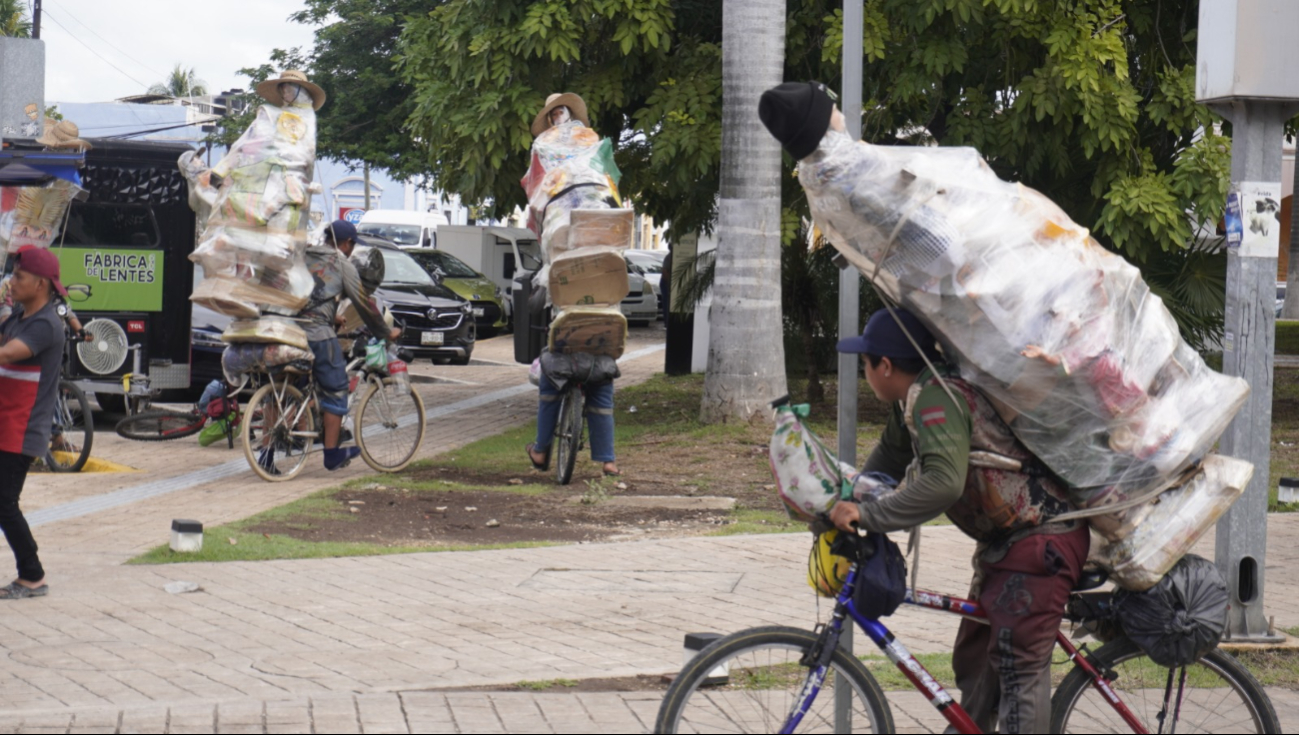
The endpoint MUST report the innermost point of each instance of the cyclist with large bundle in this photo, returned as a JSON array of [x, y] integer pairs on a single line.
[[1025, 564], [335, 276]]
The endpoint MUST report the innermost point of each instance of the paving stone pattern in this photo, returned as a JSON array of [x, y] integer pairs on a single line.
[[373, 644]]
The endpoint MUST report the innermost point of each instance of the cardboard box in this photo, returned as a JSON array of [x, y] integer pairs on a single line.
[[595, 330], [588, 277], [592, 228]]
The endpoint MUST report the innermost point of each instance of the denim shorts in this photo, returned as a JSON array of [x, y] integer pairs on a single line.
[[330, 370]]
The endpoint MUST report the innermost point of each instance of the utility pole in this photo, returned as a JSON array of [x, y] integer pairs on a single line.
[[36, 18], [849, 291], [1244, 61], [365, 168]]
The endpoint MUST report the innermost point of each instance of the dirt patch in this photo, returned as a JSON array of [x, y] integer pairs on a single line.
[[397, 517]]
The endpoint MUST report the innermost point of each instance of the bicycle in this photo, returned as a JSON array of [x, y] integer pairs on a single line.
[[283, 420], [164, 425], [73, 430], [778, 676], [569, 431]]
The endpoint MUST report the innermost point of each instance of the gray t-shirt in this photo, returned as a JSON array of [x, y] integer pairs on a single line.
[[27, 387]]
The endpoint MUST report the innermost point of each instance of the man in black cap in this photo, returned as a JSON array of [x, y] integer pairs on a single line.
[[1025, 564]]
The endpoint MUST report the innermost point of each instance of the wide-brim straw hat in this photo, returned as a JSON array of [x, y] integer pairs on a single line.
[[575, 105], [269, 89], [63, 134]]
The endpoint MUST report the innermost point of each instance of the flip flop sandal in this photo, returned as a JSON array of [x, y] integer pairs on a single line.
[[607, 473], [15, 591], [544, 465]]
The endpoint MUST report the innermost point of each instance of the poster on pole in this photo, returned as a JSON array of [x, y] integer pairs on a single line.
[[1253, 219]]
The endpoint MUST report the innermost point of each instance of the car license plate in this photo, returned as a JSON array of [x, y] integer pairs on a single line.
[[431, 338], [478, 311]]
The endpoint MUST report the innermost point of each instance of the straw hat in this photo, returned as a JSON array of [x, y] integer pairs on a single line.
[[63, 134], [269, 89], [575, 105]]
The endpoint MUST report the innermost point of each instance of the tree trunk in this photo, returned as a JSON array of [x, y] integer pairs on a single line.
[[1291, 308], [746, 353]]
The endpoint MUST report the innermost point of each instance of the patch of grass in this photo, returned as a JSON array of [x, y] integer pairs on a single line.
[[1272, 668], [264, 547], [749, 520], [1287, 338], [543, 684]]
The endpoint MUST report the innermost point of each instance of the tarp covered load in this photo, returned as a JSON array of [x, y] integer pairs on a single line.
[[258, 198], [1079, 357]]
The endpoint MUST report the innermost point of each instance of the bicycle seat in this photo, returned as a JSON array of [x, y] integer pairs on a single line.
[[1091, 578]]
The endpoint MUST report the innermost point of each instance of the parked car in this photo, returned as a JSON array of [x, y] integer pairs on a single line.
[[641, 306], [439, 324], [484, 297], [651, 262]]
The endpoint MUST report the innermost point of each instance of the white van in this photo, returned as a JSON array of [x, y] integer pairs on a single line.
[[405, 228]]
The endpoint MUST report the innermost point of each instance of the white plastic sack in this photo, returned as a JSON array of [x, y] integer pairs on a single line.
[[1079, 357]]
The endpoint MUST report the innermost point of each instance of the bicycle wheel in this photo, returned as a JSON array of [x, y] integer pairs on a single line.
[[70, 448], [764, 684], [568, 433], [154, 426], [389, 426], [1219, 695], [278, 430]]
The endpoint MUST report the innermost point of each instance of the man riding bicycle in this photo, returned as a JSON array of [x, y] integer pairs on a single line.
[[335, 277], [1025, 565]]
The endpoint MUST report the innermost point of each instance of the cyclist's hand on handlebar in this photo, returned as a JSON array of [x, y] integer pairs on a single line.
[[845, 515], [394, 333]]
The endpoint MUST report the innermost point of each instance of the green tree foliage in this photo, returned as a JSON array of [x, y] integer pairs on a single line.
[[14, 21], [649, 71], [181, 82]]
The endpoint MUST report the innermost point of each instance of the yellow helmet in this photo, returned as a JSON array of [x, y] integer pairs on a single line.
[[826, 572]]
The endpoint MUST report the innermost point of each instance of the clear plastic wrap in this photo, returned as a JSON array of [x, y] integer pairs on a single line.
[[251, 357], [258, 214], [33, 215], [1175, 522], [597, 330], [588, 277], [267, 330], [1079, 357], [572, 168]]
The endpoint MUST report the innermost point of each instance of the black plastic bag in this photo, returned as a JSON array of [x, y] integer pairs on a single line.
[[579, 366], [881, 583], [1182, 617]]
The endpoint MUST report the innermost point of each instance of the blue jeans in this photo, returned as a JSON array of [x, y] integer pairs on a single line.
[[331, 375], [599, 417]]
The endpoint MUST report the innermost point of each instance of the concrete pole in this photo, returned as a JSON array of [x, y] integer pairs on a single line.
[[1258, 130], [849, 289]]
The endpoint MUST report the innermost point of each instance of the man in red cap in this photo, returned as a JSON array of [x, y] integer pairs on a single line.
[[31, 358]]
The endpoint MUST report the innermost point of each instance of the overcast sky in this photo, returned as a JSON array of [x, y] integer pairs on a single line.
[[144, 39]]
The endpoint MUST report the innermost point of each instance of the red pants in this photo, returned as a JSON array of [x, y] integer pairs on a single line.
[[1004, 668]]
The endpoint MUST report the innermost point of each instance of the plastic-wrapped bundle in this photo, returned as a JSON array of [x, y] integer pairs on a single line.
[[252, 357], [587, 277], [572, 168], [254, 233], [32, 215], [1175, 523], [1083, 362], [597, 330], [267, 330], [809, 478]]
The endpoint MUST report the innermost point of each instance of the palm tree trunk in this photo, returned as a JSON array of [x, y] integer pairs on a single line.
[[746, 354]]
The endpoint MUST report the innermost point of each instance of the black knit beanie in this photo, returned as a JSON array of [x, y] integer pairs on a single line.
[[797, 114]]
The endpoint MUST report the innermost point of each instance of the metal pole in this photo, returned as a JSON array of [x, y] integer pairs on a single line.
[[1258, 130], [36, 19], [849, 286]]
